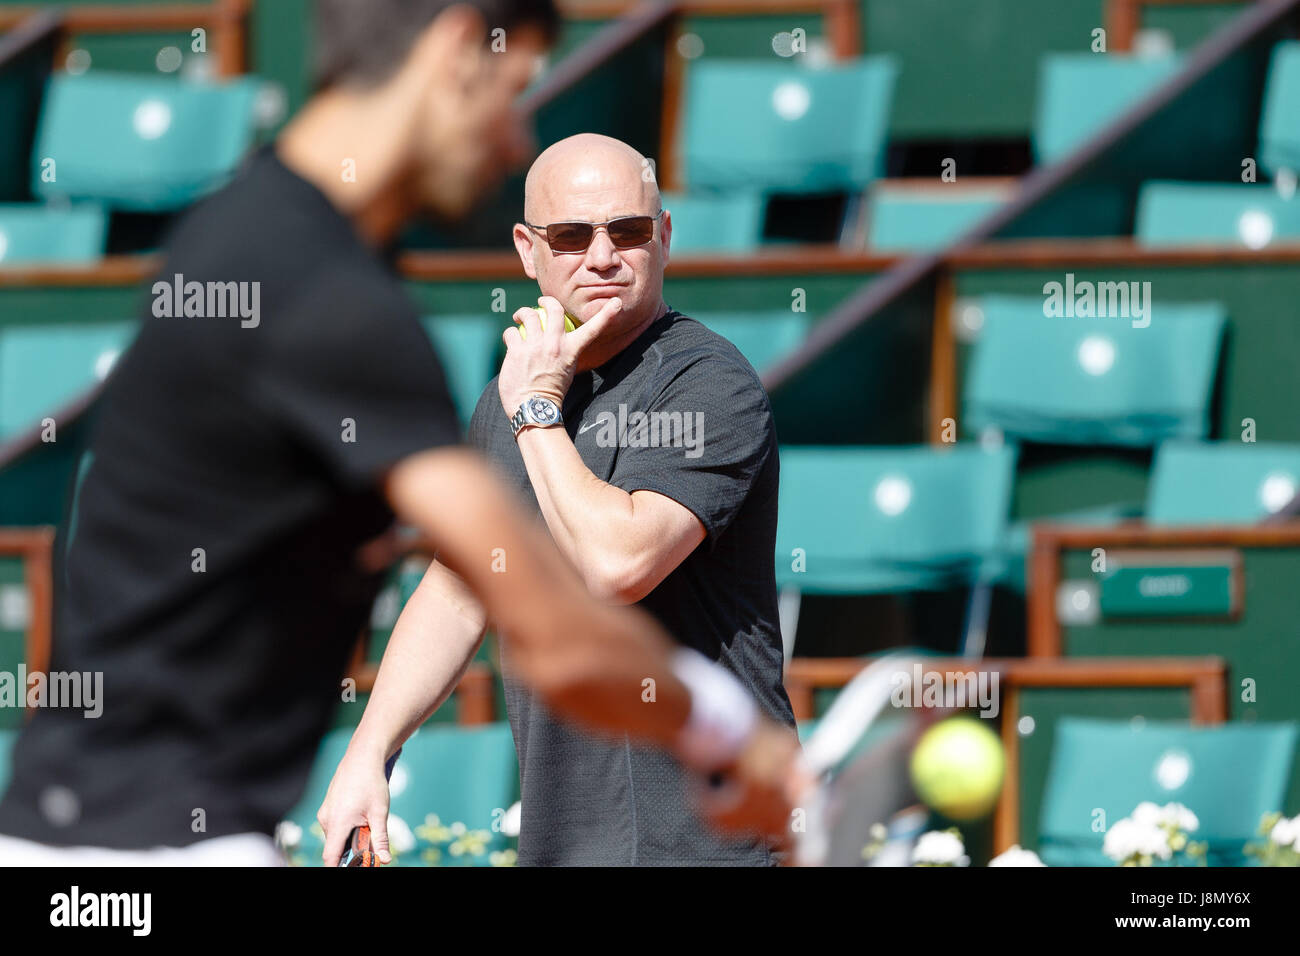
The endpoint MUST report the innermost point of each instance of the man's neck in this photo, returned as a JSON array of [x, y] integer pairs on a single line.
[[601, 352], [336, 145]]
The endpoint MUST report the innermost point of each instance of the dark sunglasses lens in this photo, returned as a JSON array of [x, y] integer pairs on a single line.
[[633, 231], [569, 236]]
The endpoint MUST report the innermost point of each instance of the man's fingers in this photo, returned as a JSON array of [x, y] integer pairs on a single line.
[[336, 839], [531, 322], [586, 333], [378, 819], [554, 316]]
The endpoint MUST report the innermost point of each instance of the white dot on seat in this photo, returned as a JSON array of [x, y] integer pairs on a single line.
[[1276, 491], [152, 119], [791, 100], [1173, 769], [1096, 355], [893, 495], [1255, 227]]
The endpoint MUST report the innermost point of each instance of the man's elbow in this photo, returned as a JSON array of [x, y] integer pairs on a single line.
[[625, 579]]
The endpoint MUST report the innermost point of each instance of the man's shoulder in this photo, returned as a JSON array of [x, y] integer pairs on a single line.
[[688, 355]]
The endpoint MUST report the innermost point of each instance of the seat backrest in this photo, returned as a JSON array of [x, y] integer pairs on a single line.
[[716, 222], [467, 347], [1238, 214], [1228, 775], [44, 366], [916, 219], [1130, 381], [138, 142], [1279, 139], [1222, 482], [764, 125], [762, 337], [888, 518], [1079, 93], [37, 233]]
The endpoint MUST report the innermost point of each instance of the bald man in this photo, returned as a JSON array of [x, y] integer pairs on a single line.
[[647, 446]]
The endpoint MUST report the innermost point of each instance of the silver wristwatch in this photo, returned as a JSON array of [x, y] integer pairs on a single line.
[[536, 410]]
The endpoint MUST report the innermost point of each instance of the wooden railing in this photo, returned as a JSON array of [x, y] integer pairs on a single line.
[[35, 548], [1051, 541], [224, 20], [1205, 678]]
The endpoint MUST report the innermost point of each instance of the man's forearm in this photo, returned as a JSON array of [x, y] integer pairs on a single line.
[[590, 522], [589, 661], [433, 642]]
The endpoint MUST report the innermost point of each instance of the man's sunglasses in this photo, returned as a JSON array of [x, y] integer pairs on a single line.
[[625, 233]]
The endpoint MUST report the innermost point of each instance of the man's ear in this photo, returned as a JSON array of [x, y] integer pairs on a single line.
[[666, 231], [523, 239], [452, 45]]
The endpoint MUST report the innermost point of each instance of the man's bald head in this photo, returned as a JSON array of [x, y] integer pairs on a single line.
[[571, 177], [596, 179]]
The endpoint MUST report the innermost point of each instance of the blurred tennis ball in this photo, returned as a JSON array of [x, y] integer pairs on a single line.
[[957, 768], [570, 321]]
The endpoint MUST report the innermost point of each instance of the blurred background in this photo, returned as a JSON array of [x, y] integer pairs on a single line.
[[1021, 279]]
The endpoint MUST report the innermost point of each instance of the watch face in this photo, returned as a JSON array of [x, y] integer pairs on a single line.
[[543, 411]]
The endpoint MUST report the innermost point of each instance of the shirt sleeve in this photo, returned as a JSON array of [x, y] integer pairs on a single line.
[[356, 382], [703, 441]]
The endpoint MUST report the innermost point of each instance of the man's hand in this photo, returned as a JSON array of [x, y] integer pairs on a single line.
[[758, 792], [545, 362], [357, 795]]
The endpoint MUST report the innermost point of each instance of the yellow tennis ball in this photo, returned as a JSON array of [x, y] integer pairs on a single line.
[[570, 321], [957, 768]]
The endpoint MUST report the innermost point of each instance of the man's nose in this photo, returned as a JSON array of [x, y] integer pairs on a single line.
[[601, 254]]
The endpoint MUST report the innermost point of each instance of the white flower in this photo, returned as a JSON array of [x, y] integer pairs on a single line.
[[1128, 837], [1016, 856], [288, 834], [1286, 832], [1147, 814], [940, 848], [400, 837], [1175, 814]]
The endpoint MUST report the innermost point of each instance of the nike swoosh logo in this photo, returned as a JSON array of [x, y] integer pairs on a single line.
[[587, 426]]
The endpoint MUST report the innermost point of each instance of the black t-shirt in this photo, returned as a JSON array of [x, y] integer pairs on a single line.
[[258, 440], [587, 801]]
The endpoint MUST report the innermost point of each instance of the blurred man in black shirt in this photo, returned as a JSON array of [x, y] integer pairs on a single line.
[[245, 474]]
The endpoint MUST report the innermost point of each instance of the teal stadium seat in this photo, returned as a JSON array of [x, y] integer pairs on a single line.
[[44, 366], [1229, 776], [139, 142], [762, 337], [450, 787], [1237, 214], [918, 220], [1079, 93], [1279, 136], [890, 519], [716, 222], [1093, 381], [781, 126], [35, 233], [467, 347], [1221, 482]]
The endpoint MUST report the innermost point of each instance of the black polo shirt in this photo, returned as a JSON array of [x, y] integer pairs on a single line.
[[679, 412], [212, 577]]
